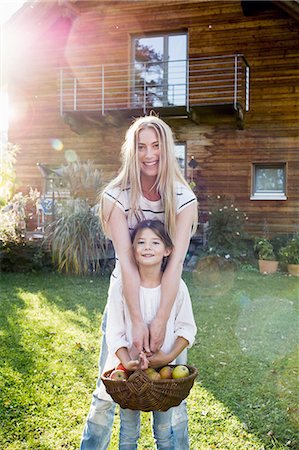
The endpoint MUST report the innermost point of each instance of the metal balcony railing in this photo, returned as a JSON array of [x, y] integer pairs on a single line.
[[195, 82]]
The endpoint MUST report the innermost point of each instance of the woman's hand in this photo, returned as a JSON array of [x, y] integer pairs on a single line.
[[158, 359], [157, 333], [140, 336]]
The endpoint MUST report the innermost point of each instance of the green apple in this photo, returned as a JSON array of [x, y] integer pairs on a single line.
[[118, 375], [166, 372], [180, 372]]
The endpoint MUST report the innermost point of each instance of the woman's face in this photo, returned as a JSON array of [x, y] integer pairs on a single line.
[[148, 152]]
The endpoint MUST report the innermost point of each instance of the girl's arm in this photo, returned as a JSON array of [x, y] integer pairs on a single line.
[[171, 276], [117, 228], [160, 358]]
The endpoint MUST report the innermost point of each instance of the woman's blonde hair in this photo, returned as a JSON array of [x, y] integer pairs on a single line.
[[169, 172]]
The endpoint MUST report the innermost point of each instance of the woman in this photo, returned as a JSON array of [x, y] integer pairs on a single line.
[[148, 186]]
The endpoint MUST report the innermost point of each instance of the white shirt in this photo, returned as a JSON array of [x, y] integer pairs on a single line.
[[119, 327]]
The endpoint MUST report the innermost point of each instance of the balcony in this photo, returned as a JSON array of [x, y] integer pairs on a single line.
[[182, 88]]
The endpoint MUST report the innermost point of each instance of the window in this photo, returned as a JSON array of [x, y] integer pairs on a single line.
[[159, 70], [269, 181], [180, 153], [54, 184]]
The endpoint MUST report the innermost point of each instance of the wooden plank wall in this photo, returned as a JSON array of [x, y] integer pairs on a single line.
[[102, 34]]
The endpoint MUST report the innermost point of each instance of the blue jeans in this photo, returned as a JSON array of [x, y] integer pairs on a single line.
[[98, 427], [130, 429]]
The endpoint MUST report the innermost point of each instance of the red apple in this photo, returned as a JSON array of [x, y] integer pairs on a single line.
[[166, 372], [120, 367], [118, 375], [180, 372]]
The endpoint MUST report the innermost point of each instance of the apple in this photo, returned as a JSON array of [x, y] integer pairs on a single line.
[[166, 372], [118, 375], [121, 367], [180, 372], [152, 374]]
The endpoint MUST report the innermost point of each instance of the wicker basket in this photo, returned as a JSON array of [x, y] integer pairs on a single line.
[[143, 394]]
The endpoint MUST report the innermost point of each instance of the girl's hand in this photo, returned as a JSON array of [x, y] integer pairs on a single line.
[[157, 334], [158, 359], [134, 364]]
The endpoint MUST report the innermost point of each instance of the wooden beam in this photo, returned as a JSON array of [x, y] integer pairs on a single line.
[[290, 7]]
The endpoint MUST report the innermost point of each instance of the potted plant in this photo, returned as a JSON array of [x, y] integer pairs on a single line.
[[290, 255], [268, 262]]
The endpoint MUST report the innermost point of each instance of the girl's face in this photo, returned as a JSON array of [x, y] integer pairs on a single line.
[[149, 249], [148, 152]]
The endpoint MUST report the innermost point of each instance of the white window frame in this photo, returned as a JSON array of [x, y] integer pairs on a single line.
[[181, 144], [167, 69], [268, 195]]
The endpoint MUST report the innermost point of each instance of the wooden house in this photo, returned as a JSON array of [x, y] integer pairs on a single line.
[[223, 74]]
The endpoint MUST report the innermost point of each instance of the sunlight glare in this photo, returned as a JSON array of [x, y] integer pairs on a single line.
[[4, 111], [8, 8]]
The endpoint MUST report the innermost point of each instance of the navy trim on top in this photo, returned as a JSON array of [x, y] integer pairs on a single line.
[[189, 201]]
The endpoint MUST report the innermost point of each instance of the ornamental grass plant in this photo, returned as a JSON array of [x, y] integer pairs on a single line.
[[75, 236], [245, 396], [77, 242]]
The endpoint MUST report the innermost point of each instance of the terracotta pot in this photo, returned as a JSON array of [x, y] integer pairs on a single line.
[[293, 269], [268, 266]]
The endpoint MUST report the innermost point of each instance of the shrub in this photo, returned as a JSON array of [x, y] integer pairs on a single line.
[[23, 256], [7, 172], [226, 232], [290, 253], [264, 249], [15, 215]]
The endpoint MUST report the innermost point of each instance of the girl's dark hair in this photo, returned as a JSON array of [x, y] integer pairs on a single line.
[[158, 228]]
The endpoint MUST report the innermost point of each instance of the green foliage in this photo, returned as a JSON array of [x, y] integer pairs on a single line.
[[23, 256], [245, 397], [15, 215], [290, 253], [264, 249], [226, 232], [77, 241], [7, 172]]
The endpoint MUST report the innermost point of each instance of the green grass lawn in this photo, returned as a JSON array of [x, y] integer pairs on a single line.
[[246, 394]]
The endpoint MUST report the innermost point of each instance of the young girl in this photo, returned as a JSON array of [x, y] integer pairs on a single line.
[[151, 246]]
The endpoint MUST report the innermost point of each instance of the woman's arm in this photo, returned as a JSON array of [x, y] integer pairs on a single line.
[[172, 275], [117, 229]]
